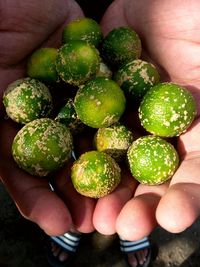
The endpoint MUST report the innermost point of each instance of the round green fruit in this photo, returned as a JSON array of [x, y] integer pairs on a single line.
[[113, 140], [152, 160], [42, 146], [41, 65], [167, 110], [100, 102], [77, 62], [27, 99], [95, 174], [136, 78], [85, 29], [120, 46], [67, 115]]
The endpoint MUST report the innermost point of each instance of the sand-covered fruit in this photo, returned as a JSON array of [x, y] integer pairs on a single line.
[[167, 110], [77, 62], [42, 146], [114, 140], [27, 99], [121, 45], [67, 115], [95, 174], [41, 65], [100, 102], [85, 29], [152, 160], [136, 78]]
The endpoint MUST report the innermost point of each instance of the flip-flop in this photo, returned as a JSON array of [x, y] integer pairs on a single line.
[[67, 243], [133, 246]]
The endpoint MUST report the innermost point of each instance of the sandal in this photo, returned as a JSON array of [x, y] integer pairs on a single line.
[[133, 246], [66, 243]]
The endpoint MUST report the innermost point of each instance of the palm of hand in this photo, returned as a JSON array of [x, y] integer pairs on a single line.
[[170, 40]]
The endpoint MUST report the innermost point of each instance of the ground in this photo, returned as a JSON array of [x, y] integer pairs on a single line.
[[22, 244]]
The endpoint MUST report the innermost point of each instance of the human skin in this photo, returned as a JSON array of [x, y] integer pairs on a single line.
[[170, 36], [170, 39], [25, 26]]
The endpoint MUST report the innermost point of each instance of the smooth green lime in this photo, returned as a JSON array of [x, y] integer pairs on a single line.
[[95, 174], [42, 146], [100, 102], [136, 78], [27, 99], [167, 110], [114, 140], [121, 45], [41, 65], [85, 29], [152, 160], [77, 62]]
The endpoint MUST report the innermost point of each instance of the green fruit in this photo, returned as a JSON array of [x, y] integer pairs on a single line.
[[100, 102], [67, 115], [27, 99], [95, 174], [104, 71], [85, 29], [42, 146], [152, 160], [113, 140], [77, 62], [135, 78], [121, 45], [41, 65], [167, 110]]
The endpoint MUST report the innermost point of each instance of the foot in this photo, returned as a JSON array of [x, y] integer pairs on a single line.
[[58, 252], [137, 258]]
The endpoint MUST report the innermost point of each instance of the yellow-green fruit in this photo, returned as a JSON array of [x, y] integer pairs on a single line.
[[85, 29], [100, 102], [77, 62], [152, 160], [42, 146], [41, 65], [113, 140], [136, 78], [167, 110], [27, 99], [121, 45], [95, 174]]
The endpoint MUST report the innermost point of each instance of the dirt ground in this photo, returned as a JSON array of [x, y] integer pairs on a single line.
[[22, 244]]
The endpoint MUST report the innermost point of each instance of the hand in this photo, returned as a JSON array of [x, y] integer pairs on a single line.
[[25, 26], [170, 35]]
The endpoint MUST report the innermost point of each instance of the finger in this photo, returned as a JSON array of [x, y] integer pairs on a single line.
[[81, 207], [182, 199], [32, 195], [137, 218], [108, 208]]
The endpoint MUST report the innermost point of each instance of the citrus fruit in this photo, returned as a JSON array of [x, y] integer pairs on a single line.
[[27, 99], [77, 62], [85, 29], [42, 146], [41, 65], [121, 45], [113, 140], [152, 160], [100, 102], [167, 110], [135, 78], [95, 174]]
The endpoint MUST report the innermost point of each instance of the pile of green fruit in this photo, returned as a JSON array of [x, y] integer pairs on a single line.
[[104, 79]]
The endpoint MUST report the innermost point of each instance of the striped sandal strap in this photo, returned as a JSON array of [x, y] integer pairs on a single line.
[[68, 241], [132, 246]]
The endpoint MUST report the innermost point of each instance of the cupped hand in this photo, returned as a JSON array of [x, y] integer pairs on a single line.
[[171, 39], [25, 26]]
